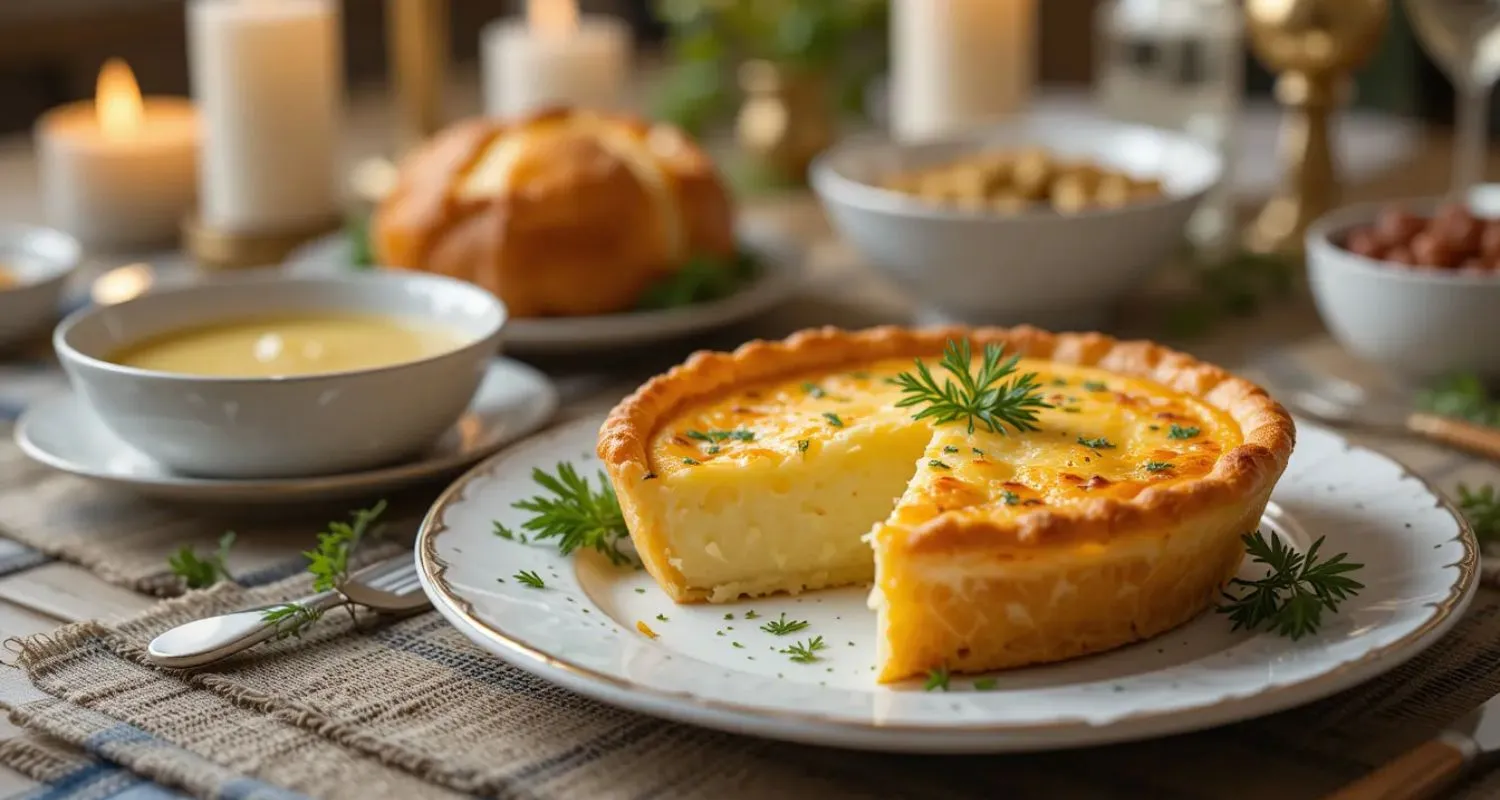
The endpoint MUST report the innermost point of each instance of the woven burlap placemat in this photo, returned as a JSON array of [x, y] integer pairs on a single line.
[[409, 709]]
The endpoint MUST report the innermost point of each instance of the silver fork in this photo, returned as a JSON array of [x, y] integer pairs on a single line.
[[389, 586], [1347, 404]]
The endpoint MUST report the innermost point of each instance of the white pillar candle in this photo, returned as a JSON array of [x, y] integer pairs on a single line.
[[118, 172], [959, 63], [267, 77], [553, 57]]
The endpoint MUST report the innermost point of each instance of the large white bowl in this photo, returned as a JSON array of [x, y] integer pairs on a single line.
[[40, 259], [292, 426], [1416, 323], [1043, 267]]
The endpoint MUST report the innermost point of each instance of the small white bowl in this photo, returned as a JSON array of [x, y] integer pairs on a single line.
[[1044, 267], [40, 260], [292, 426], [1416, 323]]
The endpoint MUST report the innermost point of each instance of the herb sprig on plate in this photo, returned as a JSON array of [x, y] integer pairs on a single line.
[[201, 572], [1296, 590], [983, 398], [1481, 507], [576, 514]]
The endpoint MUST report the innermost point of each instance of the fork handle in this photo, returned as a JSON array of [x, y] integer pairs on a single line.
[[1477, 439], [211, 639], [1421, 773]]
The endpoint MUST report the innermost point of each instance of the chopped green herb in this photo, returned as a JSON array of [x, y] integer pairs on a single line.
[[1009, 498], [737, 644], [805, 652], [530, 579], [1157, 466], [950, 449], [937, 679], [936, 464], [1154, 427], [814, 390], [692, 462], [504, 532], [729, 616], [977, 451], [833, 419], [751, 614], [986, 684], [1059, 382], [640, 590], [803, 444], [860, 375], [783, 626], [739, 435], [1094, 386], [1179, 432], [1100, 443], [1072, 410], [661, 617]]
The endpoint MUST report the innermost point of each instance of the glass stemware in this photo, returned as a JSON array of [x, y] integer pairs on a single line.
[[1463, 37]]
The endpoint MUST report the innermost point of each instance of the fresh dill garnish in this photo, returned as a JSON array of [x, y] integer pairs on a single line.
[[784, 626], [1180, 432], [1464, 397], [950, 449], [639, 590], [291, 619], [937, 680], [986, 684], [661, 617], [530, 578], [1295, 591], [936, 464], [814, 390], [503, 532], [833, 419], [1009, 498], [329, 561], [1481, 507], [714, 437], [201, 573], [1100, 443], [751, 614], [805, 652], [692, 462], [576, 515], [981, 397], [1157, 466], [803, 444], [738, 645], [1094, 386], [729, 616], [977, 451]]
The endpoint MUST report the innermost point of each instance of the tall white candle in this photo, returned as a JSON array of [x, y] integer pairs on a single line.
[[959, 63], [267, 76], [118, 172], [553, 57]]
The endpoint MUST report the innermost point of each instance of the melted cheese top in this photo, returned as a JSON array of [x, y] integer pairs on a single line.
[[1105, 436]]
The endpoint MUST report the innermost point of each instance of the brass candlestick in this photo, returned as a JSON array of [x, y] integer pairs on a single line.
[[1313, 45], [417, 49]]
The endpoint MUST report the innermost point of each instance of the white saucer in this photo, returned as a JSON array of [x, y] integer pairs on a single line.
[[778, 254], [60, 431]]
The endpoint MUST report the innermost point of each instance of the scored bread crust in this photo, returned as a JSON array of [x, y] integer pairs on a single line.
[[1244, 471], [579, 226]]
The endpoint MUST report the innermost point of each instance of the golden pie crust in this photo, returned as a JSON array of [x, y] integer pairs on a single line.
[[973, 593]]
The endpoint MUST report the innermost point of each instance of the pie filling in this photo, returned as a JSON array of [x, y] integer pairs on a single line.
[[779, 487]]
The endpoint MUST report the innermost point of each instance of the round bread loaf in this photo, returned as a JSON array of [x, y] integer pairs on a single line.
[[562, 213]]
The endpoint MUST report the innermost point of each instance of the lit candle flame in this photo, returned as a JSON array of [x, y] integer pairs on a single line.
[[117, 99], [552, 19]]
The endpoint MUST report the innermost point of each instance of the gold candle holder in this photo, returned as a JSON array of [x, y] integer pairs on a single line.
[[1313, 45], [417, 51]]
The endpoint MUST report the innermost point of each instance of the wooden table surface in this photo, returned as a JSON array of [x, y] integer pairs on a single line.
[[47, 596]]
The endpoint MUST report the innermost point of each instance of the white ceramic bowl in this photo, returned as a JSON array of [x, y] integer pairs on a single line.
[[40, 259], [1416, 323], [282, 427], [1052, 269]]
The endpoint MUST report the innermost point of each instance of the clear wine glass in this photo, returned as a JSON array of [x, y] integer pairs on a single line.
[[1463, 37]]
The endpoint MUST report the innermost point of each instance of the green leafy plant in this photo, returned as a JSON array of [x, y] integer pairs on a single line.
[[1236, 286], [981, 397], [1295, 591], [202, 572], [329, 565], [1463, 397], [701, 280], [783, 626], [707, 39], [937, 680], [805, 652]]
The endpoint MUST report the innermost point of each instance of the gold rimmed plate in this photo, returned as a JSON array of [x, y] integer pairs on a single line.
[[714, 665]]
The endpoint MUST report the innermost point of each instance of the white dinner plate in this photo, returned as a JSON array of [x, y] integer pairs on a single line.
[[779, 256], [713, 667], [60, 431]]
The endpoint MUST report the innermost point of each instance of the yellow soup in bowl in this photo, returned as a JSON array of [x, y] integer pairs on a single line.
[[272, 347]]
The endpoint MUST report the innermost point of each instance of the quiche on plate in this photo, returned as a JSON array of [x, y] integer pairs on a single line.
[[1109, 510]]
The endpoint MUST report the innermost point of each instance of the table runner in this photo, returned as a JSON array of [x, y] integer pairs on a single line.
[[408, 709]]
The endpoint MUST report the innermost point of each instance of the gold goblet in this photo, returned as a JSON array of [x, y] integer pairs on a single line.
[[1312, 45]]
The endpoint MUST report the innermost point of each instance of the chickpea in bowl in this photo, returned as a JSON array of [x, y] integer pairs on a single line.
[[1411, 286]]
